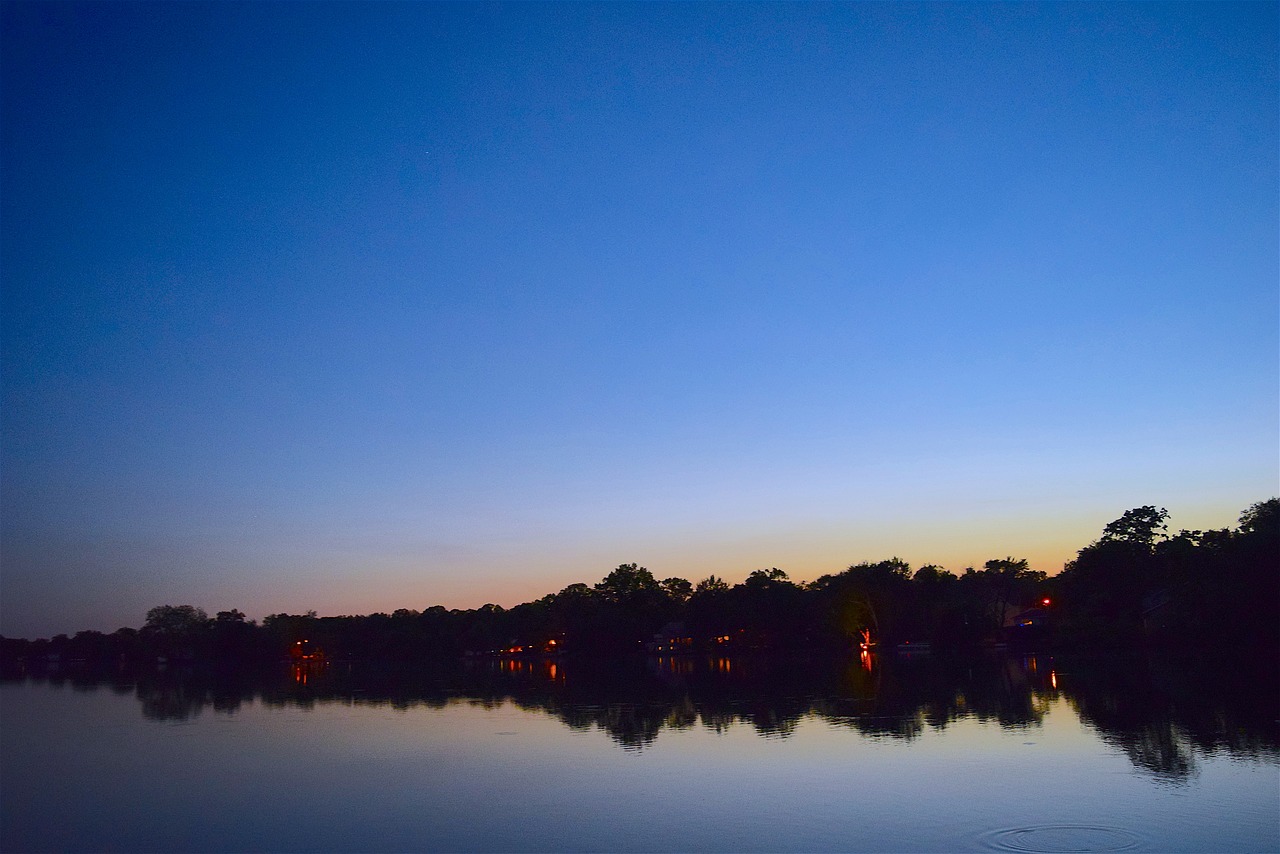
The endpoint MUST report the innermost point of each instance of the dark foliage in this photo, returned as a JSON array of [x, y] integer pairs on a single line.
[[1135, 585]]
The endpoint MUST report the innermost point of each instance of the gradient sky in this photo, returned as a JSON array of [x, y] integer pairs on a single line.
[[360, 307]]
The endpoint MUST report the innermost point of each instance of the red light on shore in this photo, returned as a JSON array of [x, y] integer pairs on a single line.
[[1044, 601]]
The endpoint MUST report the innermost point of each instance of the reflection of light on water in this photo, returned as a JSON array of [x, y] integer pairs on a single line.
[[1053, 679], [302, 671], [675, 665]]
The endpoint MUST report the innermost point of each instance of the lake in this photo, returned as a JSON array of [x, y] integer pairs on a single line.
[[895, 754]]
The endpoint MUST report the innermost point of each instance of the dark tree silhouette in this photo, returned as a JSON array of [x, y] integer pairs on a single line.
[[1134, 585]]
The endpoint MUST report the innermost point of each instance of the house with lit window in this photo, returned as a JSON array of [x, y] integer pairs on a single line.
[[671, 639]]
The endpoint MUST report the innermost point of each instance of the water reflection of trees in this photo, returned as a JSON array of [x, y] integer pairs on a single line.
[[1182, 710], [1161, 715]]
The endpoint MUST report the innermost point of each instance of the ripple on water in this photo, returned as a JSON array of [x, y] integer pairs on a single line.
[[1061, 839]]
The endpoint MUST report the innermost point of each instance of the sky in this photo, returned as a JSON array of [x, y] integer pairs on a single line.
[[374, 306]]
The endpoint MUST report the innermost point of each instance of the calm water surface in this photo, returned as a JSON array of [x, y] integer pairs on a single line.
[[1013, 754]]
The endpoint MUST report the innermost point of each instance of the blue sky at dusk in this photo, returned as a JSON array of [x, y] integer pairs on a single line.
[[360, 307]]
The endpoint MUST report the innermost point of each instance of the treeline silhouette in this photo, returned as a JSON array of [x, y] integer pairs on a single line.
[[1135, 585]]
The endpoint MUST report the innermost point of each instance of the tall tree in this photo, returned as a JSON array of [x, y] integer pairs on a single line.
[[678, 589], [175, 620], [1010, 583], [1142, 526], [626, 581], [175, 630], [1106, 585]]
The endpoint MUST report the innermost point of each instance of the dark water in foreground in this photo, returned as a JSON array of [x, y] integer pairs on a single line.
[[1020, 754]]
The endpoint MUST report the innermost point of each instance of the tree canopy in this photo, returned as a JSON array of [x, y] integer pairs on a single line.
[[1135, 584]]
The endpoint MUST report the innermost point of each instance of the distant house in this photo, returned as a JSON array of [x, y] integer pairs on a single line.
[[304, 650], [1032, 618], [516, 647], [671, 639], [1029, 627]]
